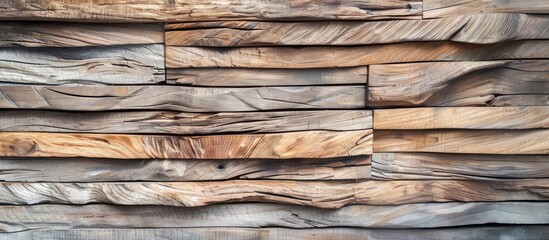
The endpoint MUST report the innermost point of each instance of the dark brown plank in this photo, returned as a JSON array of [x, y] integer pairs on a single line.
[[446, 8]]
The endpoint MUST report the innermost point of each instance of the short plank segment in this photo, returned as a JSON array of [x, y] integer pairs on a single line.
[[289, 57], [447, 8], [429, 215], [463, 141], [308, 144], [479, 29], [104, 170], [181, 98], [434, 166], [487, 83]]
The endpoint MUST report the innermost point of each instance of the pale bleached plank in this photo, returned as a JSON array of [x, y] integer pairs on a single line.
[[446, 8], [308, 144], [486, 83], [462, 118], [434, 166], [463, 141], [181, 98], [289, 57], [479, 29]]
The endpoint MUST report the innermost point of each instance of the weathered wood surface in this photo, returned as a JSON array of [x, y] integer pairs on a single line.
[[492, 83], [37, 34], [321, 194], [181, 98], [462, 118], [137, 64], [162, 122], [238, 77], [333, 56], [198, 10], [430, 215], [433, 166], [463, 141], [480, 29], [446, 8], [101, 170], [308, 144]]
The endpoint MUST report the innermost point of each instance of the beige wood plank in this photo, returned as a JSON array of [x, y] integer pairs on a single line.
[[446, 8]]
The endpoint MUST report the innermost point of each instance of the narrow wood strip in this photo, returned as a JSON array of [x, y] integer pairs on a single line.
[[480, 29], [492, 83], [429, 215], [104, 170], [238, 77], [309, 144], [463, 141], [137, 64], [447, 8], [288, 57], [463, 117], [434, 166], [181, 98]]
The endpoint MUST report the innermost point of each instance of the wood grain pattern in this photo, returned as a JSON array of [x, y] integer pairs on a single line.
[[480, 29], [430, 215], [101, 170], [463, 141], [309, 144], [462, 118], [138, 64], [446, 8], [181, 98], [289, 57], [490, 83], [434, 166], [198, 10], [238, 77], [162, 122]]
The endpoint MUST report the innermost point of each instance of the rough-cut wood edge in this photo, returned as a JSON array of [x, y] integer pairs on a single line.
[[448, 8]]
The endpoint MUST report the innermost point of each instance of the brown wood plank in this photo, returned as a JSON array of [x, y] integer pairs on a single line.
[[462, 118], [290, 57], [446, 8], [181, 98], [463, 141], [490, 83], [238, 77], [480, 29], [434, 166], [309, 144]]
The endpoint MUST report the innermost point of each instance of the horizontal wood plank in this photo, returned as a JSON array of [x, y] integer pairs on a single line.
[[446, 8]]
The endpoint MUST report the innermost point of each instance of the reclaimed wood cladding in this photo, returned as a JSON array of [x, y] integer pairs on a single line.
[[329, 119]]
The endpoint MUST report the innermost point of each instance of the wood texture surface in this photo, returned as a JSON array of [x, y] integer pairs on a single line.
[[181, 98], [198, 10], [434, 166], [101, 170], [242, 77], [463, 141], [492, 83], [309, 144], [161, 122], [446, 8], [290, 57], [141, 64], [480, 29], [463, 118]]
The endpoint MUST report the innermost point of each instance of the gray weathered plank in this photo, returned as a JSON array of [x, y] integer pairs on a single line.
[[446, 8]]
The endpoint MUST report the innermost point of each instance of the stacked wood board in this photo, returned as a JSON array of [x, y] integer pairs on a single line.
[[398, 119]]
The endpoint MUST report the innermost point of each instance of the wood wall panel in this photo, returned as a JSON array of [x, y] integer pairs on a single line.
[[446, 8]]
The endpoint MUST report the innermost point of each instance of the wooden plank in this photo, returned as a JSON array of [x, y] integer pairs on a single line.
[[181, 98], [40, 34], [129, 64], [238, 77], [429, 215], [103, 170], [163, 122], [435, 166], [446, 8], [309, 144], [290, 57], [198, 10], [492, 83], [480, 29], [463, 141], [462, 118]]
